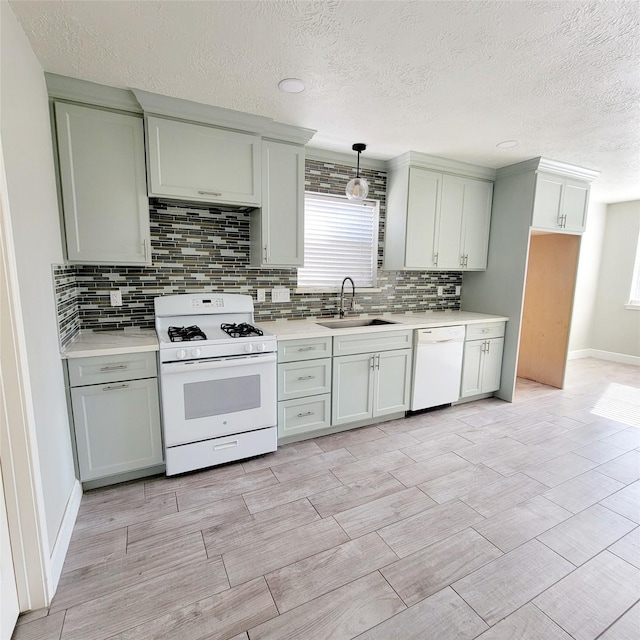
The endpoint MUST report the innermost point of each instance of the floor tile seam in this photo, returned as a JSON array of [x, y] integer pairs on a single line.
[[304, 604], [624, 613], [135, 583], [395, 591], [64, 619]]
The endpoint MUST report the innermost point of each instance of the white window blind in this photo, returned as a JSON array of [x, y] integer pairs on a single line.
[[340, 239]]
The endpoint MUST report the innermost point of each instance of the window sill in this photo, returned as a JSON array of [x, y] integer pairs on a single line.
[[633, 305], [347, 290]]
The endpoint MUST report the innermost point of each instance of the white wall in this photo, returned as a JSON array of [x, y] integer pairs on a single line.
[[587, 278], [33, 208], [614, 328]]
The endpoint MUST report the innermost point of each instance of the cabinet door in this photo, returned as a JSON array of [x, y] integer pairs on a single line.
[[492, 365], [117, 427], [352, 388], [197, 162], [574, 205], [392, 382], [476, 218], [449, 243], [103, 184], [472, 368], [280, 238], [423, 204], [547, 206]]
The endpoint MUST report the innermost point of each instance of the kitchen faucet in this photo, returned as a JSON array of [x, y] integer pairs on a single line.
[[353, 295]]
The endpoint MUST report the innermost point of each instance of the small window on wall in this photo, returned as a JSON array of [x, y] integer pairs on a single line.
[[340, 239], [634, 295]]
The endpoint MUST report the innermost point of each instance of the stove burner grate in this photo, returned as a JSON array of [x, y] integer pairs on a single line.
[[242, 330], [186, 334]]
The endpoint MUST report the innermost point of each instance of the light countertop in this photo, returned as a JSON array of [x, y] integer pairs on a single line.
[[107, 343], [295, 329]]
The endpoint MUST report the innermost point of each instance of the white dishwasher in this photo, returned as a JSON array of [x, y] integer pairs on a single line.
[[437, 366]]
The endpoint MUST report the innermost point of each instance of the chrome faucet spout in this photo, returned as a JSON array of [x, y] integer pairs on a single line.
[[353, 295]]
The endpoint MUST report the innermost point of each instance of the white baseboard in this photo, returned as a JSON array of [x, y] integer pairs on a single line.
[[61, 545], [623, 358]]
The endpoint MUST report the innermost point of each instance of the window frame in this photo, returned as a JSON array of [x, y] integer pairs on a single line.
[[634, 302], [327, 288]]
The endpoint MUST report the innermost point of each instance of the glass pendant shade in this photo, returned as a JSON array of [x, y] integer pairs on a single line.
[[357, 188]]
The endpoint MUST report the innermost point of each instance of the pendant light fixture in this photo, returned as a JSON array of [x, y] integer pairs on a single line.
[[358, 188]]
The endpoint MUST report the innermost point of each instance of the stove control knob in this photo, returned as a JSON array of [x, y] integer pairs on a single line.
[[262, 347], [181, 354], [196, 353], [248, 348]]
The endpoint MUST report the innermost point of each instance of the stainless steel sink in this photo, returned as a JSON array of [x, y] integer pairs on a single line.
[[355, 322]]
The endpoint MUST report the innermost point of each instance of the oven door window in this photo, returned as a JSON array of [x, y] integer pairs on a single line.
[[221, 397]]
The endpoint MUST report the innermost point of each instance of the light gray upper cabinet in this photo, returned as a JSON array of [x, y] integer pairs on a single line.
[[463, 224], [203, 163], [277, 230], [103, 185], [436, 217], [560, 203]]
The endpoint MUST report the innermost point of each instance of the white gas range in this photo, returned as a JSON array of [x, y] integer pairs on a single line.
[[217, 378]]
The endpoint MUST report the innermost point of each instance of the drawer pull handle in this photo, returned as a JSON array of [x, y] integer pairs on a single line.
[[113, 387], [225, 445], [306, 348], [304, 415], [306, 377], [114, 367], [209, 193]]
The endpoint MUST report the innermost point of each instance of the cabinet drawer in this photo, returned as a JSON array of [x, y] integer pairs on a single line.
[[371, 342], [303, 415], [484, 330], [102, 369], [304, 349], [306, 378]]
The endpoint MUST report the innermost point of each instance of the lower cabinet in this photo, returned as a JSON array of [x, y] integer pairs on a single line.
[[482, 361], [370, 385], [304, 387], [117, 416]]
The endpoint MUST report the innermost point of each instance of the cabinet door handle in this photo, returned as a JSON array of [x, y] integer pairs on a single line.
[[435, 259], [145, 248], [265, 253], [373, 362], [306, 377], [114, 367], [306, 348], [113, 387], [209, 193], [378, 362], [304, 415]]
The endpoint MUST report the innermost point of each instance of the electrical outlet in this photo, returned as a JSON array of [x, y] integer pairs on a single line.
[[458, 290], [280, 294], [115, 297], [440, 290], [261, 295]]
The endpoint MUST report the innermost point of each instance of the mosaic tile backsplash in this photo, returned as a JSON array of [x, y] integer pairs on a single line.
[[197, 249]]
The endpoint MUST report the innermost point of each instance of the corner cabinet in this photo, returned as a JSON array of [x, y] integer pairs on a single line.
[[116, 415], [560, 203], [198, 162], [373, 378], [103, 185], [277, 230], [435, 219]]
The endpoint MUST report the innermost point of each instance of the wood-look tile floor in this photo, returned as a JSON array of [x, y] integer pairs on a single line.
[[486, 520]]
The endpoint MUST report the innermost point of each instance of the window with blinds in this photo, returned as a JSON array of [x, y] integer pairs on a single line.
[[340, 239]]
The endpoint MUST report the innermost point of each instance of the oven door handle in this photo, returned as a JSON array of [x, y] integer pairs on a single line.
[[204, 365]]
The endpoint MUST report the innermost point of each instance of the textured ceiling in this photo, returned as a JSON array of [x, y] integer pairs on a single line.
[[446, 78]]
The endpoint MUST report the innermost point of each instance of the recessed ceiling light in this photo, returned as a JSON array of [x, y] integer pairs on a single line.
[[291, 85], [507, 144]]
